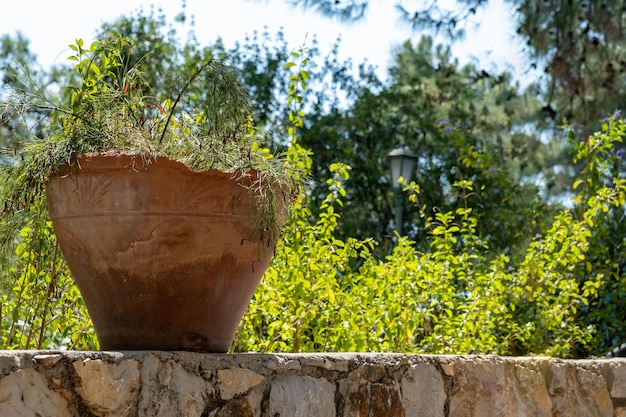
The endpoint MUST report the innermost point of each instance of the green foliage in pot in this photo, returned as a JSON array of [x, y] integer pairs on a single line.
[[111, 107]]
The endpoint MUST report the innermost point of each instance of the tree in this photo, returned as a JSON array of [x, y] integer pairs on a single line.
[[449, 19], [18, 67], [580, 45], [464, 124]]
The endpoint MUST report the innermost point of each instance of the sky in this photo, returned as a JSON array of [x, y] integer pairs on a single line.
[[52, 25]]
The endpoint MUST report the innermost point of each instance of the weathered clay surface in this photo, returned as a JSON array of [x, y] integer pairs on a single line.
[[165, 258], [159, 383]]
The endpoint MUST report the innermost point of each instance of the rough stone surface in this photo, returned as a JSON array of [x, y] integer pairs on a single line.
[[25, 393], [575, 388], [158, 384], [479, 388], [525, 390], [236, 381], [423, 391], [48, 361], [108, 389], [168, 389], [301, 396], [618, 388], [370, 392]]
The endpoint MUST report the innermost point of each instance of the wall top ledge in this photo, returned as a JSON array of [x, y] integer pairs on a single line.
[[271, 363], [347, 356]]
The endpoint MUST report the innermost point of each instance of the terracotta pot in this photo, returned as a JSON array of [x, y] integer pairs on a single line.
[[164, 257]]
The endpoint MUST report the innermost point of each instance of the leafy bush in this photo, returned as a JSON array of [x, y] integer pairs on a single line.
[[41, 307], [325, 294]]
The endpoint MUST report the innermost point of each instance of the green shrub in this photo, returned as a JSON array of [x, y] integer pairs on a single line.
[[325, 294], [41, 307]]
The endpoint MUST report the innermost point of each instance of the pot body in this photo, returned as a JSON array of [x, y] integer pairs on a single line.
[[165, 258]]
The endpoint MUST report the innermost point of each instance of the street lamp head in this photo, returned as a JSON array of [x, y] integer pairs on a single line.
[[402, 163]]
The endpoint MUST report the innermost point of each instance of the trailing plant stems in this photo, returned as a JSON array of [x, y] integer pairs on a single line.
[[201, 152], [22, 284], [180, 95], [54, 275], [42, 305]]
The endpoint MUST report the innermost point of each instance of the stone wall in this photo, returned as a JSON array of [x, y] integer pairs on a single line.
[[63, 384]]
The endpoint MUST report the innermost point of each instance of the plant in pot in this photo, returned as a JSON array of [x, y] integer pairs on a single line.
[[166, 210]]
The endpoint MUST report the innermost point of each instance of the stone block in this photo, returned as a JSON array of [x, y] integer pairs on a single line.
[[47, 361], [167, 388], [25, 393], [8, 363], [373, 372], [525, 391], [618, 388], [478, 387], [423, 391], [301, 396], [578, 391], [236, 381], [370, 399], [108, 389]]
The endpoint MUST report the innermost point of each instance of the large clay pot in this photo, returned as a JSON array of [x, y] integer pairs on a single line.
[[164, 257]]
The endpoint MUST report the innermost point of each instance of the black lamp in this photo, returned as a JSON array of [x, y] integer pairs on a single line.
[[402, 163]]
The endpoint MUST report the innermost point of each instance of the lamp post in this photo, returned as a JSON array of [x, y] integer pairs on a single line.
[[402, 163]]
